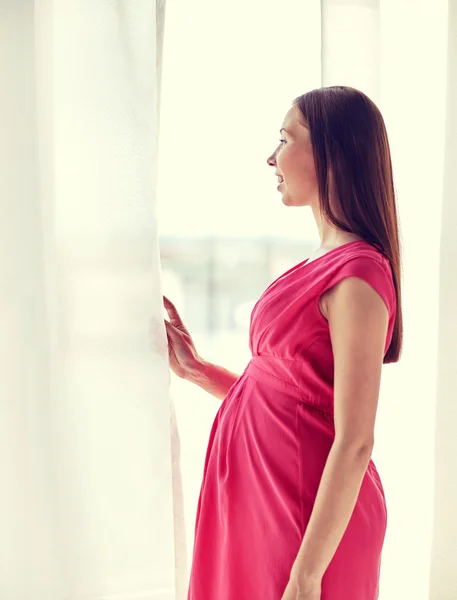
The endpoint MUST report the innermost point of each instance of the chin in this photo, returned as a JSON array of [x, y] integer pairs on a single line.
[[288, 201]]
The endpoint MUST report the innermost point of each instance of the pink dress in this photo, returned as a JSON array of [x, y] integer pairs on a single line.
[[269, 443]]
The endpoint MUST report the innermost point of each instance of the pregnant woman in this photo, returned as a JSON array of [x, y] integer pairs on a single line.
[[291, 505]]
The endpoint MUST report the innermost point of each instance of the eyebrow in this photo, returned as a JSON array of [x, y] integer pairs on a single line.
[[284, 129]]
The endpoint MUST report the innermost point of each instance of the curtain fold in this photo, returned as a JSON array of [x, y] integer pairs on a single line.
[[443, 577], [88, 478]]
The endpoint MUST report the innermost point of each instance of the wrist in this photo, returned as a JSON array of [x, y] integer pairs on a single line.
[[197, 372], [300, 573]]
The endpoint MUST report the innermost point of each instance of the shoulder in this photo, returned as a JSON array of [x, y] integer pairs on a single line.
[[355, 274]]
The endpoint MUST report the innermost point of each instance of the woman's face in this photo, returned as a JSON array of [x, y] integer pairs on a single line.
[[293, 161]]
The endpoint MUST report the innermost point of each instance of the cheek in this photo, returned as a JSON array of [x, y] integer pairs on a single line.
[[297, 172], [287, 161], [308, 173], [302, 185]]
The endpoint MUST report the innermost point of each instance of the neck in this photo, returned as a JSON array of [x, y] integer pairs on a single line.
[[331, 236]]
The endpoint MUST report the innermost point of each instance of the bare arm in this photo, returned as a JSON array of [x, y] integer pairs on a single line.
[[212, 378], [358, 321]]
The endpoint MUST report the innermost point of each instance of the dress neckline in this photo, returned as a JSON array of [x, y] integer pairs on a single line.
[[306, 262]]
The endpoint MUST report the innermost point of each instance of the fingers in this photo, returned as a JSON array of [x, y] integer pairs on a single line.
[[170, 346], [173, 331], [172, 312], [167, 302], [175, 319]]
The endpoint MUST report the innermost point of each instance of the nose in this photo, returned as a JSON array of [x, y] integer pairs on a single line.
[[271, 160]]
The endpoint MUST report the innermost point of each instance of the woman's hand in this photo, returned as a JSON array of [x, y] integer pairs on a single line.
[[183, 357], [302, 589]]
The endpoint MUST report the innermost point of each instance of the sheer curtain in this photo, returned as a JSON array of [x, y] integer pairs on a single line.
[[403, 55], [87, 485]]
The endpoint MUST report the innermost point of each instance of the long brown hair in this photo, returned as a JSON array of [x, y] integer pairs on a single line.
[[352, 158]]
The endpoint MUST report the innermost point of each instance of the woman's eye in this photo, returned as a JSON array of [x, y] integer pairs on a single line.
[[283, 141]]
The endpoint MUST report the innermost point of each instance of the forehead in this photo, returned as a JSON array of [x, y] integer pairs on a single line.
[[291, 120]]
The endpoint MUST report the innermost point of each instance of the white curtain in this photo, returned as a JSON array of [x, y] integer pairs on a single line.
[[87, 485], [443, 574]]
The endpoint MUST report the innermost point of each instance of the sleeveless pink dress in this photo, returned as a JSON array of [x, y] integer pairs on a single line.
[[269, 443]]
